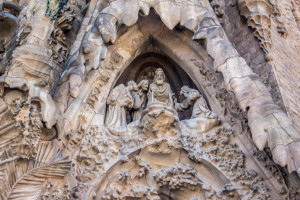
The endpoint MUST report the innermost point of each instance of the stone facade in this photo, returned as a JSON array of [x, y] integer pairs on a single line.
[[132, 99]]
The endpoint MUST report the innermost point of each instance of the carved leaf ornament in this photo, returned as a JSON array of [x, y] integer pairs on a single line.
[[29, 180], [270, 126]]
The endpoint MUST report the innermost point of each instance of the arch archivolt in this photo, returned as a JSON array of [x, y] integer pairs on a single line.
[[235, 95], [122, 53], [152, 173], [209, 152], [100, 147]]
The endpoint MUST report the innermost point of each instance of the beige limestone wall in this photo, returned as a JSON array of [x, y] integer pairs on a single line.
[[286, 62]]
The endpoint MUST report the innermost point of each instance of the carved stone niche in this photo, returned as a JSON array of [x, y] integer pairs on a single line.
[[171, 159], [160, 155], [144, 66], [134, 161]]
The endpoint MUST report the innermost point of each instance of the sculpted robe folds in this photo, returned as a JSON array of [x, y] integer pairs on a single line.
[[161, 93], [203, 119], [200, 109], [139, 105], [90, 95], [118, 101]]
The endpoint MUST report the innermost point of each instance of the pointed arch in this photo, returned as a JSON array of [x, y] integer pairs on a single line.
[[174, 44], [90, 106], [207, 173]]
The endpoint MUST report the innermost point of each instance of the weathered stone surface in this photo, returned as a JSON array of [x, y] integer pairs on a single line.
[[210, 118]]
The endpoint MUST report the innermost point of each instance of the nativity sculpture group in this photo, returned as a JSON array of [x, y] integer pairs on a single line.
[[142, 99]]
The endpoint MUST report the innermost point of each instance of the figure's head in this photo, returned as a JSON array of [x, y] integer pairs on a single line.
[[144, 84], [132, 86], [159, 77], [190, 93], [87, 47]]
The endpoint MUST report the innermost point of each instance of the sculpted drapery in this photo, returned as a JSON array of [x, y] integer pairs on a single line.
[[195, 99], [82, 146], [140, 99], [160, 90], [203, 119], [118, 101]]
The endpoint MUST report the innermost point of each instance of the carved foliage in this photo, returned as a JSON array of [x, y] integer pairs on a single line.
[[96, 149], [122, 189], [216, 148], [28, 118], [27, 178], [27, 158], [54, 193], [238, 119], [179, 176], [58, 41]]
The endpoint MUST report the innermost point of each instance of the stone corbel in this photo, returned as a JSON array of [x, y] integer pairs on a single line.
[[259, 14]]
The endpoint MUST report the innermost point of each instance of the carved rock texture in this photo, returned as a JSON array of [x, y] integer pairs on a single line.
[[283, 30], [178, 176], [296, 12], [25, 179], [236, 80], [259, 14], [60, 79]]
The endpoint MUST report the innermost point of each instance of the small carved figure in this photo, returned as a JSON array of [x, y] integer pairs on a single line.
[[160, 90], [193, 97], [203, 119], [118, 100], [140, 98]]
